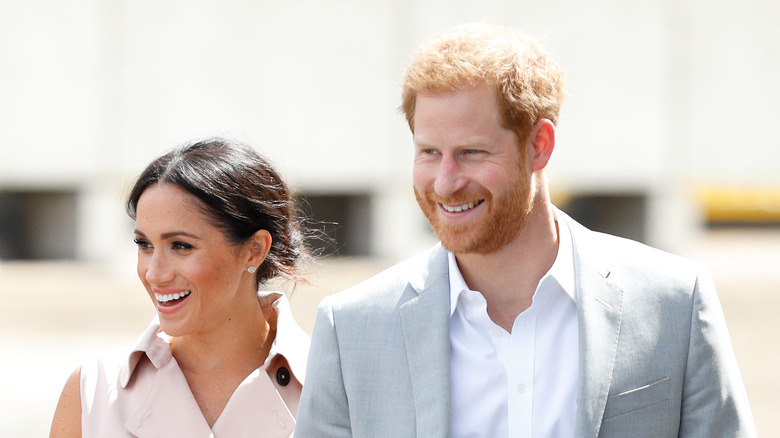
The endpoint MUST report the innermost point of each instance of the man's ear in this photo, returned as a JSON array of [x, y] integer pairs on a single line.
[[258, 245], [542, 140]]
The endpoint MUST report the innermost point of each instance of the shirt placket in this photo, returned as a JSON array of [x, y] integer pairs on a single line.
[[519, 362]]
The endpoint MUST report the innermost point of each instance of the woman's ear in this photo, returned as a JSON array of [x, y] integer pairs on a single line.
[[258, 245], [542, 140]]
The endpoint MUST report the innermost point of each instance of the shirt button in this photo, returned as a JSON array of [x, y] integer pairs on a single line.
[[520, 388], [283, 376], [495, 332]]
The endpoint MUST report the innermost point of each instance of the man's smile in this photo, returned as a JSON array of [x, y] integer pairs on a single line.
[[461, 207]]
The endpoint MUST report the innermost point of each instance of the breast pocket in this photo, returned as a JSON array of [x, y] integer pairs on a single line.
[[638, 398]]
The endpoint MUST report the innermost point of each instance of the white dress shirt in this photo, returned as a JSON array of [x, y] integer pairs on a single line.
[[519, 384]]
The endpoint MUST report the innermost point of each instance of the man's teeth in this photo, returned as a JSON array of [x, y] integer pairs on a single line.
[[459, 208], [164, 298]]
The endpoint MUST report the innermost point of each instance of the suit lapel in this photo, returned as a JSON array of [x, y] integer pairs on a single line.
[[425, 323], [599, 313]]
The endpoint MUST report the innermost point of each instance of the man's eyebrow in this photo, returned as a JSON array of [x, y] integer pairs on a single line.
[[469, 144], [420, 143]]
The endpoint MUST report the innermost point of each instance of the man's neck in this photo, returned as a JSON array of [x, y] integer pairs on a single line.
[[507, 278]]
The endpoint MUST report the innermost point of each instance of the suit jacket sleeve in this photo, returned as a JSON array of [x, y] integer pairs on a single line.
[[323, 410], [714, 401]]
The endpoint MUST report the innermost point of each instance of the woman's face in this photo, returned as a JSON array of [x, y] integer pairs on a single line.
[[195, 278]]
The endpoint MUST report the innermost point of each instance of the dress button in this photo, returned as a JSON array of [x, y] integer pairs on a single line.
[[283, 376], [520, 388]]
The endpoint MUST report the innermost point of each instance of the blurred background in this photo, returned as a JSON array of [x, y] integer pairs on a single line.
[[665, 137]]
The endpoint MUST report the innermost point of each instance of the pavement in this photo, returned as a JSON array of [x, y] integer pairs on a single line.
[[53, 314]]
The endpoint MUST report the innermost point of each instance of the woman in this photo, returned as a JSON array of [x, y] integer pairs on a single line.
[[214, 221]]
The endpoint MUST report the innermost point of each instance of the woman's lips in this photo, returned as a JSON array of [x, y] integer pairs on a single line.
[[168, 301]]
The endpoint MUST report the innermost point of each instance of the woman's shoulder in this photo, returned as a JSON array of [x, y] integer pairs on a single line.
[[67, 416]]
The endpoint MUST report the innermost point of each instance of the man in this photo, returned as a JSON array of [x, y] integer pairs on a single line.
[[521, 322]]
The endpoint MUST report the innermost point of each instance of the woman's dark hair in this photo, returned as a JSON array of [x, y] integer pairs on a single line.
[[240, 193]]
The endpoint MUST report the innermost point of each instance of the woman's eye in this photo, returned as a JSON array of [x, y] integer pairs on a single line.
[[142, 244], [181, 246]]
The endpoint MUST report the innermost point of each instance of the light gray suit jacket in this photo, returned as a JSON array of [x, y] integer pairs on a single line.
[[655, 357]]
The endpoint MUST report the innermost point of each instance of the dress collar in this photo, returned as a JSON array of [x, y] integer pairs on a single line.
[[290, 341]]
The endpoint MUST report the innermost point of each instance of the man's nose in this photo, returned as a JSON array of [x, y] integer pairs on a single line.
[[449, 177]]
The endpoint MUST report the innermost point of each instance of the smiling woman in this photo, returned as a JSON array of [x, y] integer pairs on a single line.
[[213, 222]]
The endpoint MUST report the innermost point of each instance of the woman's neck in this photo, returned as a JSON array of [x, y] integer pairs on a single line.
[[240, 344]]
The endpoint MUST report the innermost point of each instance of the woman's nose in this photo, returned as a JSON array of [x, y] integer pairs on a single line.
[[158, 269]]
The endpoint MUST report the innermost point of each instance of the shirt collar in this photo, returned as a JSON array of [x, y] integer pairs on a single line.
[[562, 270], [290, 341], [457, 283]]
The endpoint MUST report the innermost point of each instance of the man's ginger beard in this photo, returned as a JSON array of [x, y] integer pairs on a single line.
[[506, 216]]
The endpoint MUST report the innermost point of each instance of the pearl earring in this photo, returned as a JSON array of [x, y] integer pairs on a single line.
[[251, 269]]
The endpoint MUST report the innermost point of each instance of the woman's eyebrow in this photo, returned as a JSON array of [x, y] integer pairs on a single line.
[[169, 234]]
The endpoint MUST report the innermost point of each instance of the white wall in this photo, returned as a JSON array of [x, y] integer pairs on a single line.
[[664, 96]]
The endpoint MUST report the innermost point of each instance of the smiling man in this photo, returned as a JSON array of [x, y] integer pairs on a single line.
[[521, 322]]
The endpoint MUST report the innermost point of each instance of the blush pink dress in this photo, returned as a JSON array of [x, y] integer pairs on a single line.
[[142, 392]]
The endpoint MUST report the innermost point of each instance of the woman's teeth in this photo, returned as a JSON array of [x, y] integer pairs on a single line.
[[459, 208], [164, 298]]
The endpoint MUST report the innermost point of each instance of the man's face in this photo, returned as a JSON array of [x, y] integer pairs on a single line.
[[470, 175]]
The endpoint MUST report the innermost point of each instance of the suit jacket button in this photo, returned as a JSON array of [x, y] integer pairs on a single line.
[[283, 376]]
